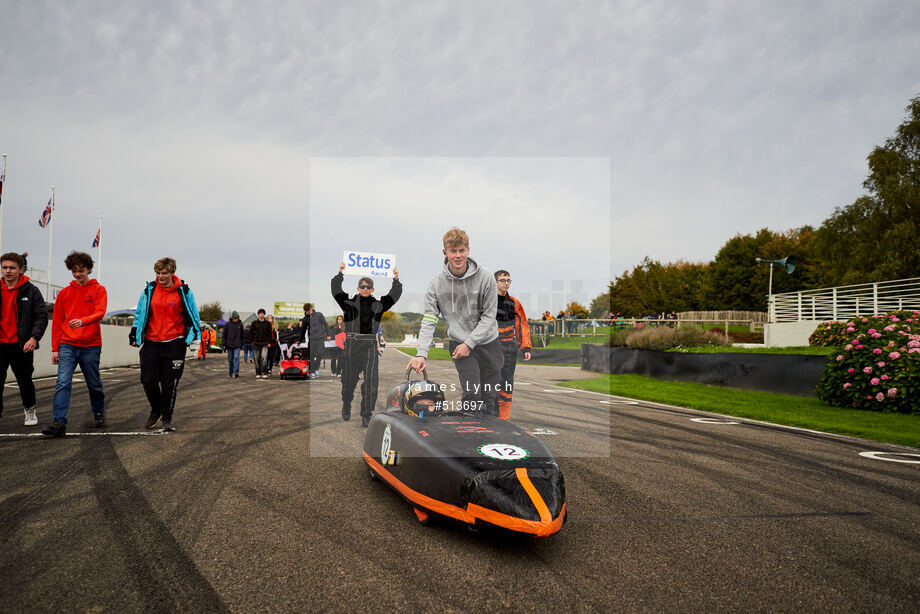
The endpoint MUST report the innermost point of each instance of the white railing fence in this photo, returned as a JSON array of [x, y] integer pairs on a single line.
[[844, 301]]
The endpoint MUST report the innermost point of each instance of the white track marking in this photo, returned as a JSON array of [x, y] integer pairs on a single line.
[[877, 456], [713, 421]]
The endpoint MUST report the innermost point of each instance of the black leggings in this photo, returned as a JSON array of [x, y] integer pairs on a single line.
[[162, 363]]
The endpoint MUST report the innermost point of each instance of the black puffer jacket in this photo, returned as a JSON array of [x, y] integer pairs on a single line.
[[232, 338]]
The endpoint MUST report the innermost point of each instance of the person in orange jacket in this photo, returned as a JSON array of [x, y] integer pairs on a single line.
[[514, 334], [205, 343], [76, 339]]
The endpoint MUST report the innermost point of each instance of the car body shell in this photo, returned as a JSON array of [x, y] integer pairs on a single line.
[[477, 470]]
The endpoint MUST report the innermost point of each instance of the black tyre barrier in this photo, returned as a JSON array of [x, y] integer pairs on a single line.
[[780, 373], [542, 356]]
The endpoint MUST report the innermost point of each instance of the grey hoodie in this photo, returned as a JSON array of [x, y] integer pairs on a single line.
[[468, 303]]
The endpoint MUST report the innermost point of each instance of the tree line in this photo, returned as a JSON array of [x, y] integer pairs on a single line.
[[875, 238]]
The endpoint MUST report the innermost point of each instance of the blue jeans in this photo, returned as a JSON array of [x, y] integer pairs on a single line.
[[247, 352], [233, 360], [69, 356]]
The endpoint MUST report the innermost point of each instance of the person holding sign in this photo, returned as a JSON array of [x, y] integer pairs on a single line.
[[362, 314], [465, 295]]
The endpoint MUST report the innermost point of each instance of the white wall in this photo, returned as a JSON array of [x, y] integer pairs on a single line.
[[115, 352], [786, 334]]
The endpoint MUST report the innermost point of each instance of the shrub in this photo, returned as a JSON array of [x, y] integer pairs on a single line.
[[665, 338], [830, 334], [746, 337], [878, 365], [619, 337]]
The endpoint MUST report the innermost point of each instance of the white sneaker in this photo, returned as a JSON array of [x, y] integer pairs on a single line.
[[31, 418]]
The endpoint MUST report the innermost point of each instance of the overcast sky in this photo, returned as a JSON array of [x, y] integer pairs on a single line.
[[254, 142]]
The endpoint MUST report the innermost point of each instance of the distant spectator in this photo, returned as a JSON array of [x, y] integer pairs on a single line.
[[260, 333], [274, 352], [247, 356], [232, 341], [338, 333], [381, 342], [315, 328]]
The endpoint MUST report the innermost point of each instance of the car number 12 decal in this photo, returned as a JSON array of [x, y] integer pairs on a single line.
[[385, 445], [503, 451]]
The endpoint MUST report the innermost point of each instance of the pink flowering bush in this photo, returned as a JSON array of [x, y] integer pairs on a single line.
[[876, 365], [831, 334]]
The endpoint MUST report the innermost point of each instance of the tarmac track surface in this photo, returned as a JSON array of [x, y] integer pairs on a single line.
[[260, 502]]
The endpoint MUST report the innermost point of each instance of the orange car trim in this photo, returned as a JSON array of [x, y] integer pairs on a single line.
[[538, 528], [538, 501]]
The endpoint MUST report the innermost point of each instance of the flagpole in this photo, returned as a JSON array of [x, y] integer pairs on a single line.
[[48, 296], [99, 253], [3, 176]]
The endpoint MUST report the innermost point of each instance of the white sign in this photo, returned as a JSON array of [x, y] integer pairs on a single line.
[[369, 264], [385, 445], [503, 451]]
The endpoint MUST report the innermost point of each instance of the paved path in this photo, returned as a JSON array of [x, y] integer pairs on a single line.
[[260, 502]]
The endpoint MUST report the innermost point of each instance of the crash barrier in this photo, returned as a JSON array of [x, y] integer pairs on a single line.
[[779, 373], [541, 332], [553, 355], [842, 302], [115, 352]]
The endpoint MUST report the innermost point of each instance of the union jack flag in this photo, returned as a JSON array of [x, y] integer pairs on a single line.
[[96, 240], [45, 218]]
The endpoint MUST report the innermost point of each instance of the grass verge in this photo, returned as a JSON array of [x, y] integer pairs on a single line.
[[433, 353], [804, 412], [443, 354]]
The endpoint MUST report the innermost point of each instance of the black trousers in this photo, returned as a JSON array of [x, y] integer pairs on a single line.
[[162, 363], [480, 374], [336, 360], [360, 356], [23, 364], [509, 352], [317, 349]]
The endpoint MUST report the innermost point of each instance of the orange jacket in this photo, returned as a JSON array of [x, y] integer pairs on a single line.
[[86, 303], [520, 329]]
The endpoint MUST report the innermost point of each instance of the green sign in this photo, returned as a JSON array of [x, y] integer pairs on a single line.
[[287, 309]]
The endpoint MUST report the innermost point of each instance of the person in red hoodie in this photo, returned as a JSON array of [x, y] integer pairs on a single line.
[[23, 320], [76, 339]]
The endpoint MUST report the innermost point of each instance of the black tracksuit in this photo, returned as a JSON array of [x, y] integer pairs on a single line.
[[362, 318]]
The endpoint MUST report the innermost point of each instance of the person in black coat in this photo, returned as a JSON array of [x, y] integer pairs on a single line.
[[362, 314], [23, 320], [314, 327], [232, 341]]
